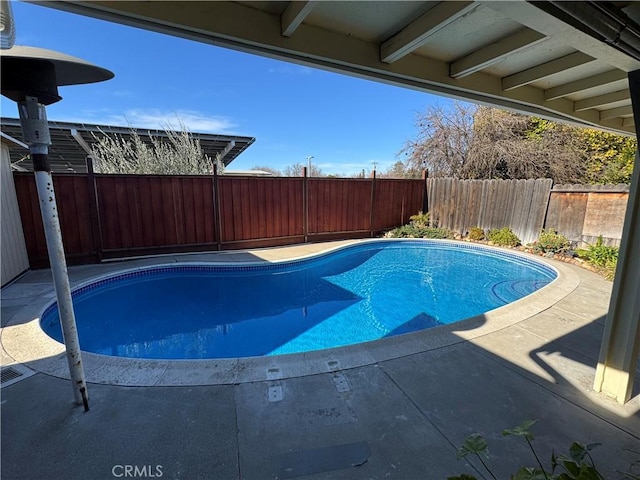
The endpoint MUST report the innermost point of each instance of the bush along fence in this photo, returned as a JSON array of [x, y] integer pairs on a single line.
[[582, 213], [114, 216]]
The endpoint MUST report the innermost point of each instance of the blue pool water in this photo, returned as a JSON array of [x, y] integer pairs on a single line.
[[361, 293]]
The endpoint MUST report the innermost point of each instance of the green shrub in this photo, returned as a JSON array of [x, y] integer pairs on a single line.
[[551, 241], [503, 237], [476, 233], [420, 219], [419, 227], [603, 257], [411, 231]]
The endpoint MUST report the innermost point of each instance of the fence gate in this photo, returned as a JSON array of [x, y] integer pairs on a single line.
[[14, 250]]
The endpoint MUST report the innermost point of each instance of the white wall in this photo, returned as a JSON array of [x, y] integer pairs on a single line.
[[12, 245]]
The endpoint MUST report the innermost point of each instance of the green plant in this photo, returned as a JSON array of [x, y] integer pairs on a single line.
[[578, 465], [551, 241], [476, 233], [420, 219], [601, 256], [418, 227], [503, 237], [411, 231]]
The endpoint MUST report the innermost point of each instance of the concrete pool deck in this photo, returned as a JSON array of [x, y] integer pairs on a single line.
[[398, 408]]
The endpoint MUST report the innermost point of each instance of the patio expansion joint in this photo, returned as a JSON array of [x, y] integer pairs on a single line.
[[549, 341], [237, 428], [568, 312], [424, 415]]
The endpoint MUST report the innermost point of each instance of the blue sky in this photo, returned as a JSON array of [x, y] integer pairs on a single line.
[[293, 111]]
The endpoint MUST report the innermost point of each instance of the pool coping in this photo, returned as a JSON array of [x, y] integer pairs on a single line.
[[24, 340]]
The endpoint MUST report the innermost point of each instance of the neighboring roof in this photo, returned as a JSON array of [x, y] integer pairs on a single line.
[[67, 154], [248, 173], [560, 60]]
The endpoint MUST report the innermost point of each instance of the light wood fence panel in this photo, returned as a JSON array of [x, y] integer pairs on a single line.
[[460, 205]]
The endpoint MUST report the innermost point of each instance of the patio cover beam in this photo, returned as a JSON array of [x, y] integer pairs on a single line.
[[220, 156], [491, 54], [616, 112], [418, 32], [606, 78], [80, 141], [602, 100], [545, 70], [294, 15], [621, 340]]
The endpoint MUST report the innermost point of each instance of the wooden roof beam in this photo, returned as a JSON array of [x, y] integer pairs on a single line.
[[294, 15], [570, 88], [616, 112], [545, 70], [418, 32], [602, 100], [495, 52]]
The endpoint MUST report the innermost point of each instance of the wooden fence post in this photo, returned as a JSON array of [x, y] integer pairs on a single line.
[[372, 205], [425, 194], [217, 220], [305, 204], [94, 211]]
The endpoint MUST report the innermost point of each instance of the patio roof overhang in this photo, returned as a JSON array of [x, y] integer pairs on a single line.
[[567, 61], [561, 60]]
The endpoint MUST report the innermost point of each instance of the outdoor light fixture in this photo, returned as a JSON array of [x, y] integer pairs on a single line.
[[30, 77]]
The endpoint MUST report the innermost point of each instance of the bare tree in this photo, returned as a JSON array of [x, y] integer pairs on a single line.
[[510, 145], [297, 169], [443, 142], [400, 169], [465, 141]]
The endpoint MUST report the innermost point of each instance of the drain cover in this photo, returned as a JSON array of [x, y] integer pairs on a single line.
[[7, 374]]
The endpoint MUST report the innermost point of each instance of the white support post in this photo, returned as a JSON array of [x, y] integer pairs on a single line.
[[621, 340]]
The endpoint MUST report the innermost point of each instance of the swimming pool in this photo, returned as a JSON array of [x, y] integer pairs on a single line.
[[357, 294]]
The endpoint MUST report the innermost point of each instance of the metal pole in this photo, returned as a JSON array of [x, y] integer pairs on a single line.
[[35, 129], [309, 158]]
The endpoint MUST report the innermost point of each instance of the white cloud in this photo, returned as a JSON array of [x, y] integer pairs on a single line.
[[193, 120], [291, 70]]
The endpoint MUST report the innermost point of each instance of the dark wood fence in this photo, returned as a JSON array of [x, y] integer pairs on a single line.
[[462, 204], [112, 216]]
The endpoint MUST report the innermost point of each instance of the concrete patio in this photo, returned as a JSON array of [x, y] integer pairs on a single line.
[[398, 408]]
